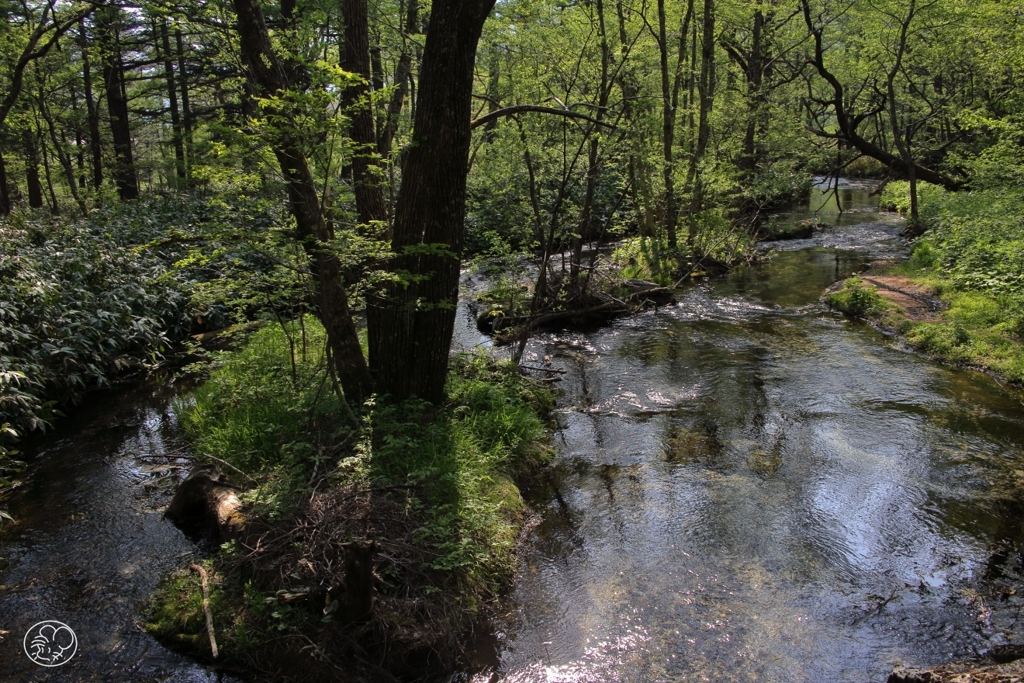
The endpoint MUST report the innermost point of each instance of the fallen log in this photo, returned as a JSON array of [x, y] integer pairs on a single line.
[[206, 505], [1001, 665], [614, 306]]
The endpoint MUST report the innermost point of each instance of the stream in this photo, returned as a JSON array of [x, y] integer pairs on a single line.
[[90, 543], [750, 488], [747, 487]]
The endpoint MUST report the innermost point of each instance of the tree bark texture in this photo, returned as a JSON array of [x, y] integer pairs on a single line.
[[366, 177], [92, 113], [5, 193], [172, 96], [410, 340], [35, 187], [108, 26]]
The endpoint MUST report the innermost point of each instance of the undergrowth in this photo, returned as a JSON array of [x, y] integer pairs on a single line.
[[433, 488], [971, 256]]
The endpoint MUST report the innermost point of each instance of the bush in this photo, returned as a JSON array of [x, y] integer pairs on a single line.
[[856, 298]]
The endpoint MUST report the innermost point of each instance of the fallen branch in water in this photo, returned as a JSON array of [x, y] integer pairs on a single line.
[[534, 367], [206, 609]]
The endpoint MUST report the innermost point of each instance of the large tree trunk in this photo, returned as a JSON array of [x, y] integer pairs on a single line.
[[108, 24], [35, 186], [267, 71], [410, 343]]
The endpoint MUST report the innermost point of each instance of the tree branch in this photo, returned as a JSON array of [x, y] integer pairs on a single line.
[[525, 108]]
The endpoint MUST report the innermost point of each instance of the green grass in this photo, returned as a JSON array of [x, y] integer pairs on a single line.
[[971, 256], [857, 299], [453, 467]]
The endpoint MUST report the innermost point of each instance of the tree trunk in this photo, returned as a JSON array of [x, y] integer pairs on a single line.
[[5, 192], [172, 96], [366, 177], [62, 156], [585, 230], [409, 345], [93, 114], [267, 71], [186, 110], [54, 206], [755, 97], [706, 94], [668, 120], [108, 25], [35, 187]]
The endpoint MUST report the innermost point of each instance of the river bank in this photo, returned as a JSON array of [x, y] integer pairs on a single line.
[[748, 488], [373, 544], [959, 297]]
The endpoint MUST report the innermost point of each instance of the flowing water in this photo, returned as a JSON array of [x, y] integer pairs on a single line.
[[90, 542], [748, 487]]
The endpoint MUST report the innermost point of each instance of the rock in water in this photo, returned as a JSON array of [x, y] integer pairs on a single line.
[[206, 505], [995, 668]]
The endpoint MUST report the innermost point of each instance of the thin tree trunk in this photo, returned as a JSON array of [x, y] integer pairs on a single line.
[[584, 231], [186, 110], [266, 69], [54, 206], [668, 120], [62, 156], [79, 142], [5, 193], [706, 93], [172, 96], [93, 114]]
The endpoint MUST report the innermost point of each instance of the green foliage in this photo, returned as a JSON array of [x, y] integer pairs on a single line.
[[269, 410], [972, 254], [856, 298], [280, 423], [78, 304], [647, 259], [974, 239]]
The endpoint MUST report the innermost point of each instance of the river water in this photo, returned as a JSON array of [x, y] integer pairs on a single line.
[[90, 543], [747, 488], [750, 488]]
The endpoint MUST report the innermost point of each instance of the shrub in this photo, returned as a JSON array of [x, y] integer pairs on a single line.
[[856, 298]]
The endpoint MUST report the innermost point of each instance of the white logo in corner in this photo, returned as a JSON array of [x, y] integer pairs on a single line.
[[50, 643]]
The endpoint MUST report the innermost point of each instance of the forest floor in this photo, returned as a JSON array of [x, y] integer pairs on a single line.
[[370, 550]]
